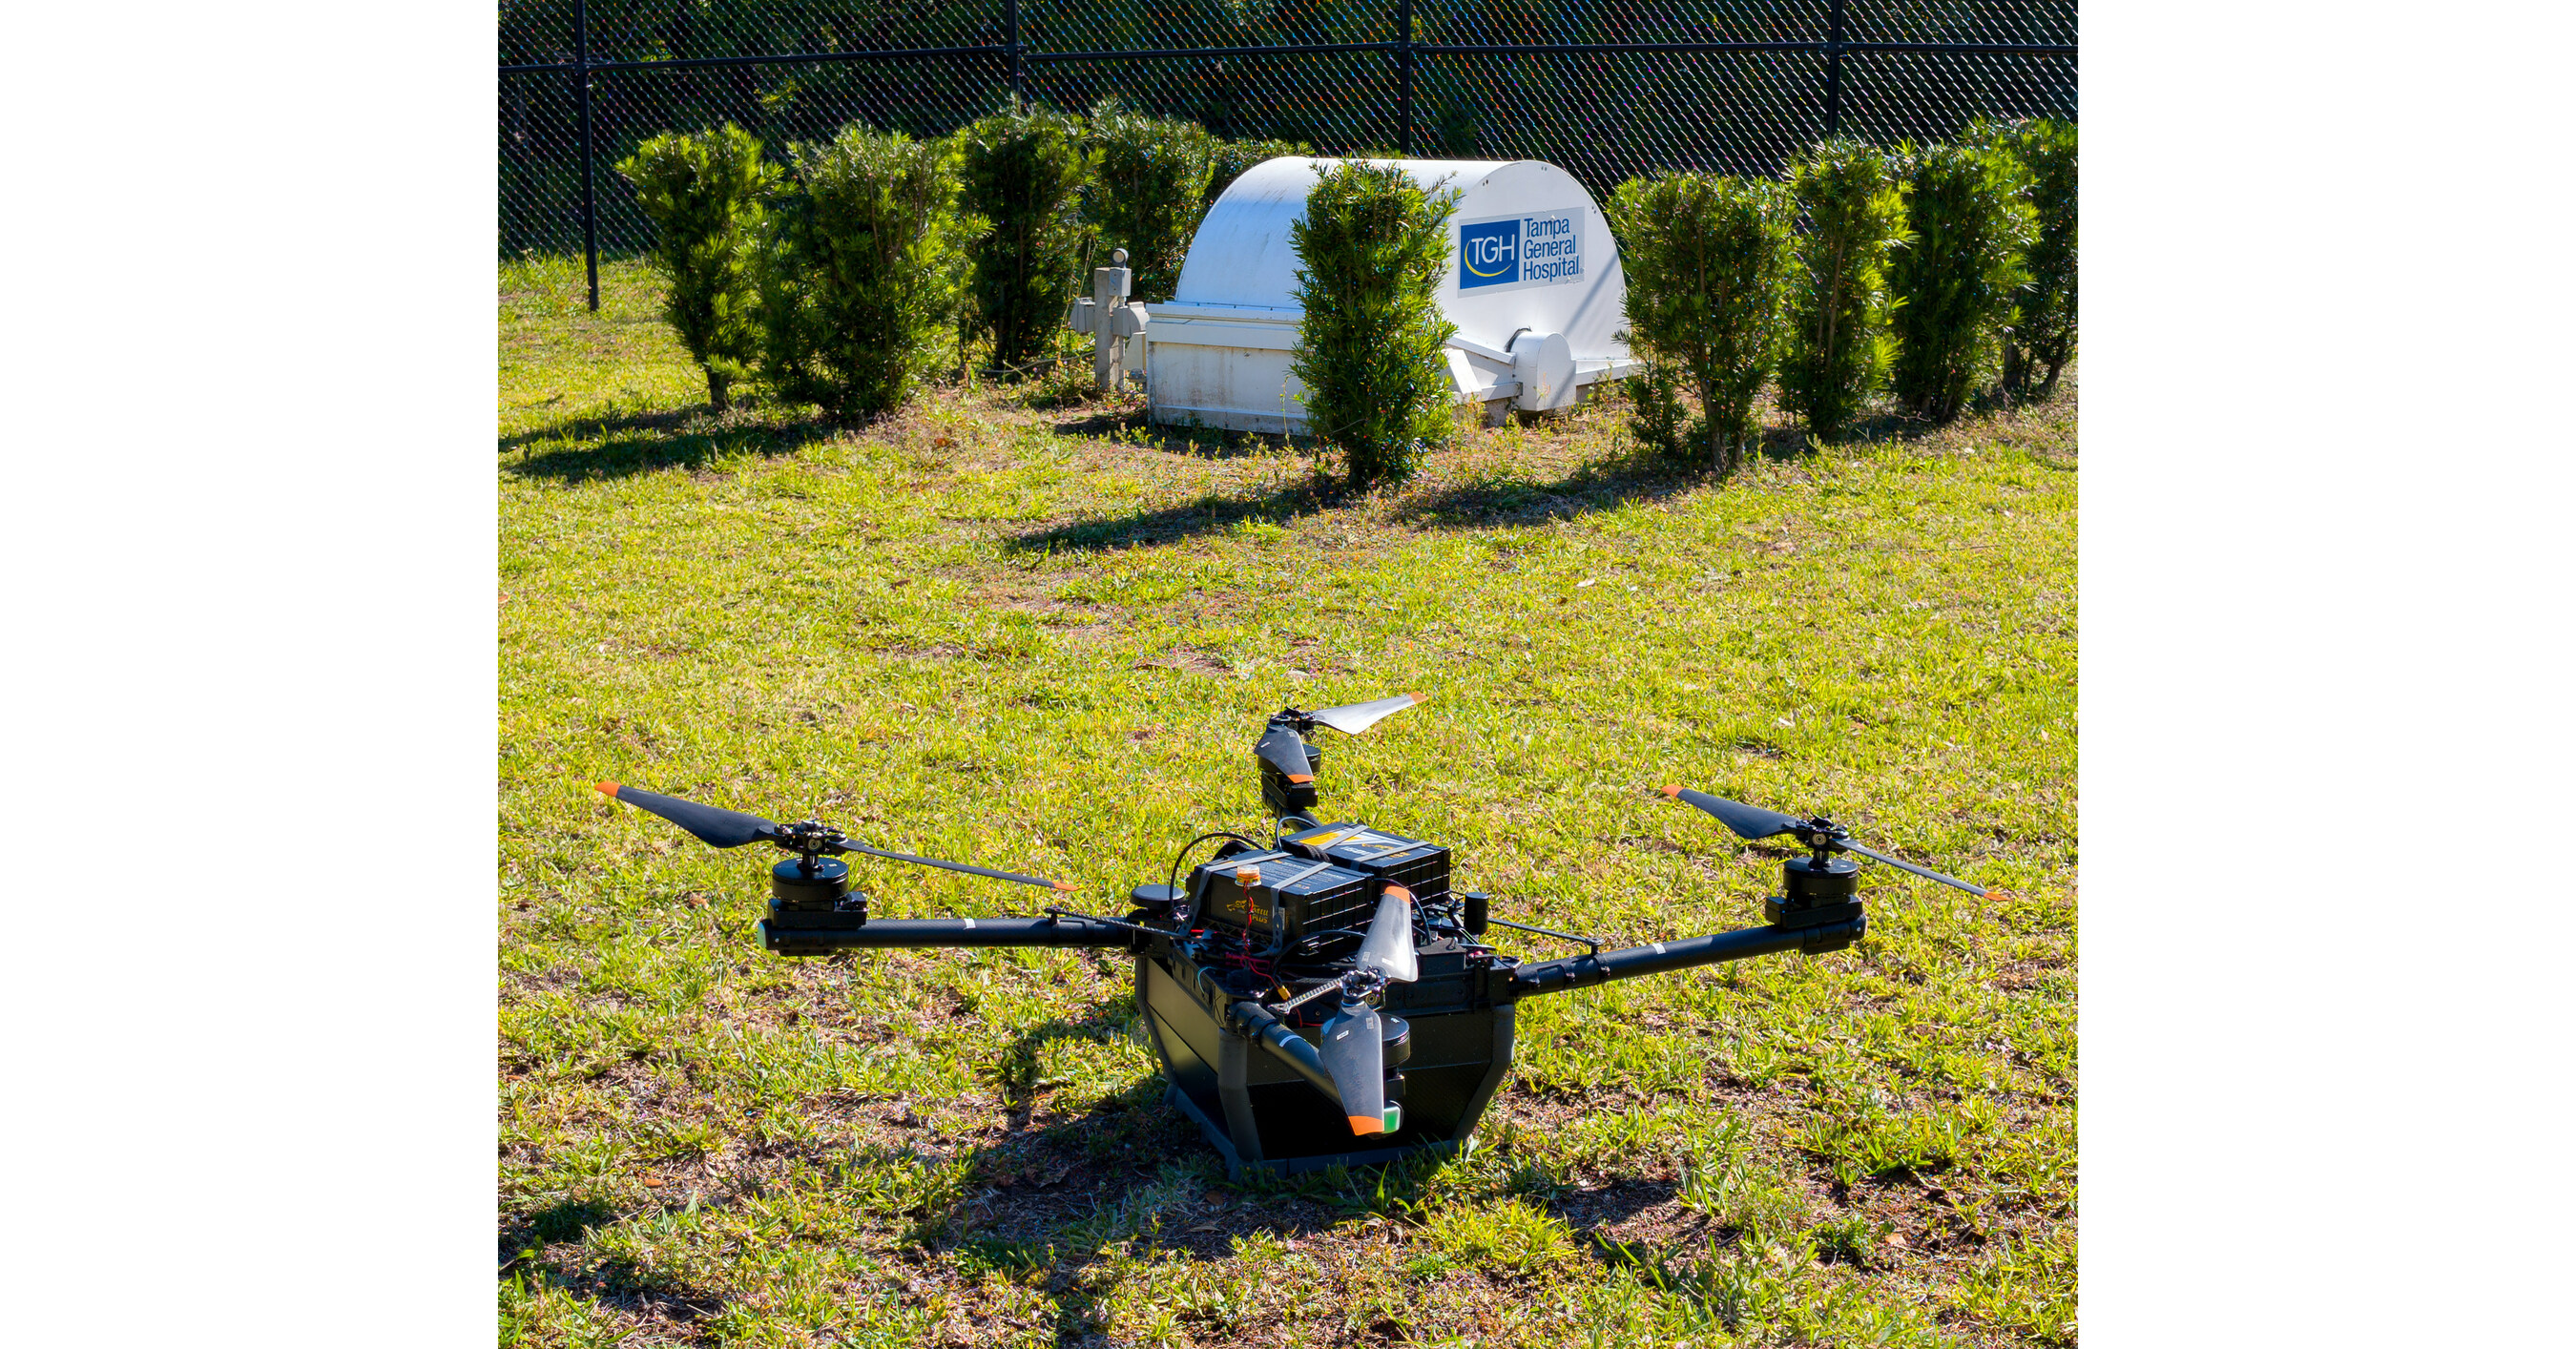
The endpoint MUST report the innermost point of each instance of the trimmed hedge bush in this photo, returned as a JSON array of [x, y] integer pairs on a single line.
[[706, 196], [865, 273], [1839, 345], [1371, 249], [1959, 278], [1707, 260], [1659, 419], [1024, 172], [2044, 333], [1147, 194]]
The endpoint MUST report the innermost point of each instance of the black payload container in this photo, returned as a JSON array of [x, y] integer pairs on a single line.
[[1259, 1114], [1420, 867], [1297, 898]]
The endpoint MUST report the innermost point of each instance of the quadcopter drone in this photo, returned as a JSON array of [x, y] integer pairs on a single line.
[[1322, 998]]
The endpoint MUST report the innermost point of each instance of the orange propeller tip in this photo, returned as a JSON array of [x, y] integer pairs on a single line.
[[1669, 789], [1367, 1124], [1065, 886], [1301, 777], [608, 787], [1419, 697]]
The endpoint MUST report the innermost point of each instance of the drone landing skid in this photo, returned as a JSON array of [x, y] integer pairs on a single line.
[[1237, 1166]]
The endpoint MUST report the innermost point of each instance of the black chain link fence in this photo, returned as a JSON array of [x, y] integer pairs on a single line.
[[1607, 89]]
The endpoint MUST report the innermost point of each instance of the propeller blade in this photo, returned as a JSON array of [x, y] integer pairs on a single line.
[[717, 828], [1388, 947], [1281, 748], [1925, 872], [1354, 1052], [1359, 717], [1746, 821], [847, 845]]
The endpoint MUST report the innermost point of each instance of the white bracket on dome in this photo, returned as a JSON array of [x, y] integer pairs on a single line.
[[1544, 364]]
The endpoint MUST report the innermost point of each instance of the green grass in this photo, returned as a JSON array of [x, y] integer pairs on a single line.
[[1012, 627]]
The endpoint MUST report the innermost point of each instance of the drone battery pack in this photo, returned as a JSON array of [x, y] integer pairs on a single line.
[[1311, 895], [1420, 867]]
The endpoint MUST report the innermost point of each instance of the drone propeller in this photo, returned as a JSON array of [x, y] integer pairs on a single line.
[[732, 829], [1281, 748], [1354, 1043], [1746, 821], [711, 826], [1287, 780], [848, 845], [1354, 1052], [1926, 873], [1358, 717], [1388, 947], [1818, 833]]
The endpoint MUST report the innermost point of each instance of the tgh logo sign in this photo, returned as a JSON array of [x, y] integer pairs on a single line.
[[1520, 250]]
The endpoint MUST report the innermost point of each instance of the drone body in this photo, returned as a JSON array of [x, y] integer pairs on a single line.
[[1327, 998]]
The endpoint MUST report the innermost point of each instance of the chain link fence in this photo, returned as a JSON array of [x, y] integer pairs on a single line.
[[1606, 89]]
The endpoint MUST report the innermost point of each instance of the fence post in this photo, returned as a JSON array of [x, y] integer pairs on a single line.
[[1834, 72], [1404, 76], [1011, 25], [589, 190]]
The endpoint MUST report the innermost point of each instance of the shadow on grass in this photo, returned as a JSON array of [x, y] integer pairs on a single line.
[[649, 442], [1594, 485], [1130, 1178], [621, 1284], [617, 1282], [1888, 422], [1129, 424], [563, 1220], [1082, 1174], [1880, 425], [1207, 515]]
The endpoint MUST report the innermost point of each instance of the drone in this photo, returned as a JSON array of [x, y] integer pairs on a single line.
[[1323, 998]]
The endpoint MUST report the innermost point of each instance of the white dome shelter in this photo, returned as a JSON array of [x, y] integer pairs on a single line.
[[1533, 284]]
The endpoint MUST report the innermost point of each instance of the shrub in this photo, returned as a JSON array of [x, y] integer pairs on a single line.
[[1148, 193], [706, 197], [860, 293], [2044, 333], [1231, 158], [1372, 249], [1839, 344], [1959, 277], [1707, 260], [1658, 418], [1024, 173]]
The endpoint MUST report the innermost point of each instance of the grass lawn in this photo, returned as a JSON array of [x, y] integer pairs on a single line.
[[1034, 633]]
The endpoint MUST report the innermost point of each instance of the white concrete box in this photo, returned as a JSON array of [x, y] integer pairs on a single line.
[[1533, 284]]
